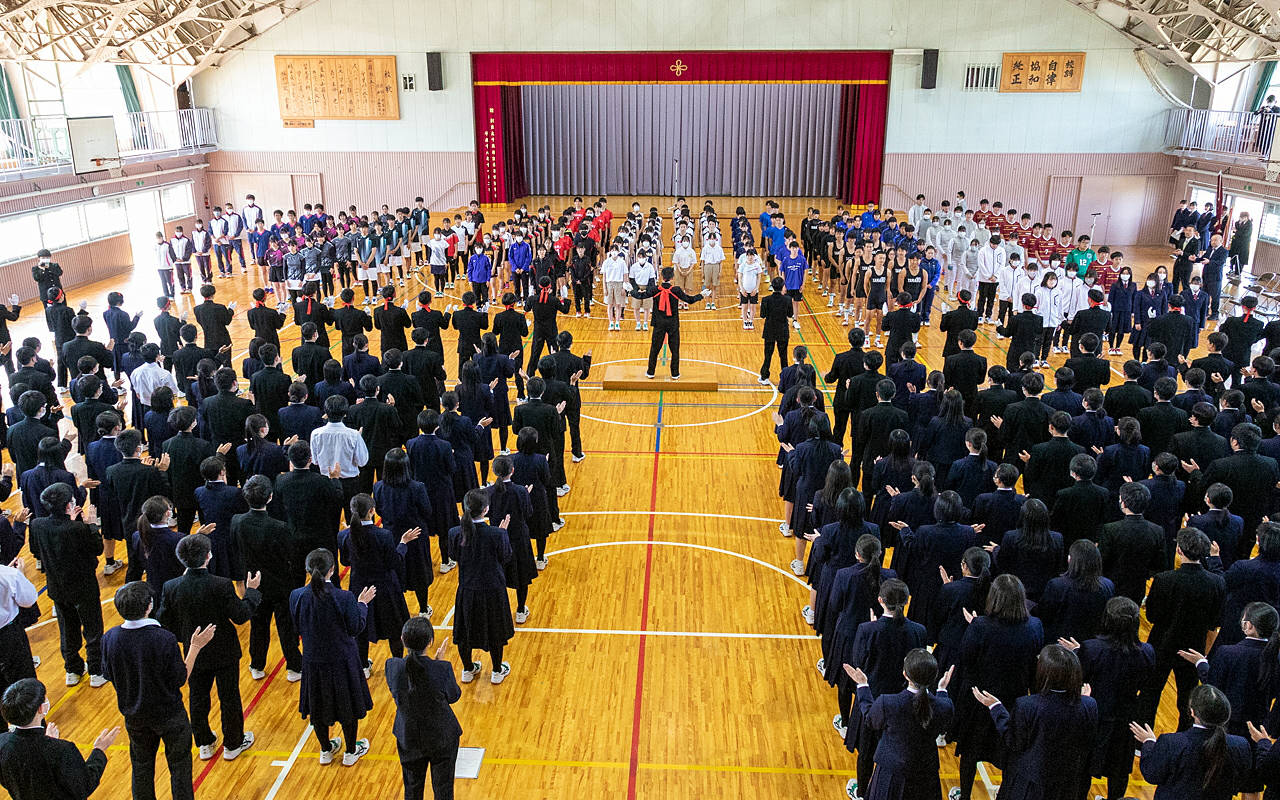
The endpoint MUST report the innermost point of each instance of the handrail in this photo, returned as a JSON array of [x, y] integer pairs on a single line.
[[1232, 133], [42, 145]]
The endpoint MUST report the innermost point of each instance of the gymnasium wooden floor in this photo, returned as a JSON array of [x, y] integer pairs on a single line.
[[665, 656]]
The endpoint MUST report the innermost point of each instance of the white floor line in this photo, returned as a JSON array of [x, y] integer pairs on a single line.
[[773, 397], [665, 514], [784, 573], [286, 766]]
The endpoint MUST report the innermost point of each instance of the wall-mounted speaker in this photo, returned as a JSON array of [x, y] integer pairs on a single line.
[[929, 70], [435, 73]]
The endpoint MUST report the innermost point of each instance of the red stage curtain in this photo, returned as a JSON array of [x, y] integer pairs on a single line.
[[497, 77]]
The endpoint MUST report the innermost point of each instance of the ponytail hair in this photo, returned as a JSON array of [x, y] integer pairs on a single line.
[[503, 468], [921, 669], [154, 512], [924, 475], [417, 634], [474, 504], [1266, 622], [1212, 709], [978, 564], [319, 565], [893, 595], [361, 505], [869, 550]]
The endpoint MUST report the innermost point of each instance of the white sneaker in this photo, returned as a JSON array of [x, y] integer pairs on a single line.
[[764, 382], [428, 612], [954, 792], [795, 324], [645, 327], [851, 789], [97, 681], [837, 722], [469, 675], [637, 326], [292, 676], [447, 566], [579, 457], [73, 678], [245, 744], [257, 674], [821, 666], [797, 567], [557, 525], [807, 613], [208, 751], [35, 660], [112, 567], [784, 529], [540, 563], [561, 491], [499, 675], [349, 759], [942, 740], [522, 616], [368, 670], [505, 452], [831, 301]]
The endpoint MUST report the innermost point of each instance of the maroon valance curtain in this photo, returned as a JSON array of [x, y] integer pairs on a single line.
[[497, 78]]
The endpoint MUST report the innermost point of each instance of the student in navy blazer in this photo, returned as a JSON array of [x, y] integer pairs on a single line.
[[933, 546], [218, 502], [156, 539], [1221, 526], [426, 730], [1250, 580], [403, 504], [1073, 603], [1247, 672], [376, 558], [1203, 762], [431, 461], [1031, 551], [999, 511], [974, 474], [907, 723], [1048, 736], [966, 592]]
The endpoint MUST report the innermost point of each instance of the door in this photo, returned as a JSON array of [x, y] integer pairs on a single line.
[[143, 209], [1111, 208], [1064, 199]]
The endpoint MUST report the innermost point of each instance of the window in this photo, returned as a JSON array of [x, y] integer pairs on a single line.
[[981, 77], [1269, 225], [176, 202], [106, 218], [62, 227], [21, 237]]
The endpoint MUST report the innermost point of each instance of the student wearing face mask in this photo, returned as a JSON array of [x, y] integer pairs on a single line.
[[47, 273], [479, 272], [520, 261], [1148, 304], [1049, 304], [1121, 299], [1195, 304]]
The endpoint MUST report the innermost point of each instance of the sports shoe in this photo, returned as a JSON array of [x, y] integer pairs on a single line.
[[112, 567], [784, 529], [505, 452], [764, 382], [74, 678], [807, 613], [368, 670], [953, 793], [797, 567], [292, 676], [245, 744], [821, 666], [208, 751], [469, 675], [577, 457], [795, 324], [561, 491], [427, 613], [540, 563], [675, 377], [645, 327], [35, 661], [257, 674], [837, 722], [942, 740], [522, 616], [97, 681], [851, 789], [648, 375], [637, 326], [349, 759], [831, 300], [499, 675], [447, 566]]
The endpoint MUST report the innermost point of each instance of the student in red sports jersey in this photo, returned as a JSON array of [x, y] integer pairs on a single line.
[[1046, 246], [1009, 228], [1029, 240], [1066, 243], [983, 212]]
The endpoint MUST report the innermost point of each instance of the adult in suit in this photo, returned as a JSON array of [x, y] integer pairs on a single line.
[[965, 370], [224, 414], [1127, 399], [1048, 464], [1093, 320], [197, 600], [1183, 606], [874, 426], [956, 321], [34, 763], [847, 364], [308, 359], [1186, 253], [270, 388], [426, 730], [1024, 330]]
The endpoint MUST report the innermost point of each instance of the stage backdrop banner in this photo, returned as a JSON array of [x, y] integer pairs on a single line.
[[854, 117]]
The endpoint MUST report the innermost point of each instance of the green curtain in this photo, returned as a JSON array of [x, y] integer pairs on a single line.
[[8, 102], [130, 90], [1264, 82]]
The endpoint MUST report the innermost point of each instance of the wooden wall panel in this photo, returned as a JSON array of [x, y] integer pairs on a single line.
[[337, 87]]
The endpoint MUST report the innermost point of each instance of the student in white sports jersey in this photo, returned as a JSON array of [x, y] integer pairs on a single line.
[[614, 270], [643, 274], [957, 258], [750, 270], [1049, 307], [1005, 278], [712, 258]]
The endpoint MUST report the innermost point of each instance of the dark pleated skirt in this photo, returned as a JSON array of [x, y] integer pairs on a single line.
[[418, 573], [482, 619], [388, 613], [522, 568], [332, 693]]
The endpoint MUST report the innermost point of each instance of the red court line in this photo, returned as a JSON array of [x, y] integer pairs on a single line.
[[634, 766], [217, 756], [677, 453]]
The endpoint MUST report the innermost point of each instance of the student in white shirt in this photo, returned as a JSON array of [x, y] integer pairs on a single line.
[[1008, 276], [712, 258], [1049, 306], [991, 264], [164, 264], [960, 277], [750, 268], [916, 212], [614, 270], [684, 259], [642, 274]]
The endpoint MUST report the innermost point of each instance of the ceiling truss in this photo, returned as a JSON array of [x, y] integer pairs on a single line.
[[184, 35]]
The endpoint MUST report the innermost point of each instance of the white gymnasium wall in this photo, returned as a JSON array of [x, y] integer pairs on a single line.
[[1117, 112]]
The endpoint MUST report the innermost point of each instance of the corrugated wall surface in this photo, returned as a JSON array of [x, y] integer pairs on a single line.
[[67, 188], [365, 179]]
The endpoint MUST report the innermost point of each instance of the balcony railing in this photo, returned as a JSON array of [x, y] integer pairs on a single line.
[[41, 146], [1239, 135]]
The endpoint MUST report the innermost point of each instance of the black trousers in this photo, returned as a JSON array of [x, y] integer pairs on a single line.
[[519, 365], [186, 517], [350, 488], [986, 299], [413, 769], [573, 419], [206, 268], [1181, 275], [260, 634], [199, 685], [15, 653], [842, 419], [1185, 679], [64, 369], [670, 335], [80, 622], [542, 336], [769, 345], [144, 742]]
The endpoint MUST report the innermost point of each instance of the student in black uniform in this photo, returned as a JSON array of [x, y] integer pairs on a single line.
[[350, 321], [213, 319], [333, 688], [544, 304], [469, 323], [666, 319], [511, 327], [511, 501], [483, 612], [264, 320], [1024, 331], [776, 310], [902, 325], [376, 559], [432, 321], [426, 730], [392, 320], [35, 763], [266, 547]]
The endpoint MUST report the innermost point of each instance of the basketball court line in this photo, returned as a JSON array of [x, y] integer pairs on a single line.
[[774, 396]]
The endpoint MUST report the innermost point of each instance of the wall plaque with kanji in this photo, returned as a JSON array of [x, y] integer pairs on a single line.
[[1041, 72]]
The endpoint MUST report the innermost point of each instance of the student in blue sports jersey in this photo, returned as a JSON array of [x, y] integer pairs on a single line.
[[793, 267]]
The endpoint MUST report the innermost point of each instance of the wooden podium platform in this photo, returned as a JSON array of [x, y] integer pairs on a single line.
[[630, 377]]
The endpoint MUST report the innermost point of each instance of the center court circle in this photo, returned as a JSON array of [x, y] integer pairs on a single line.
[[753, 374]]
